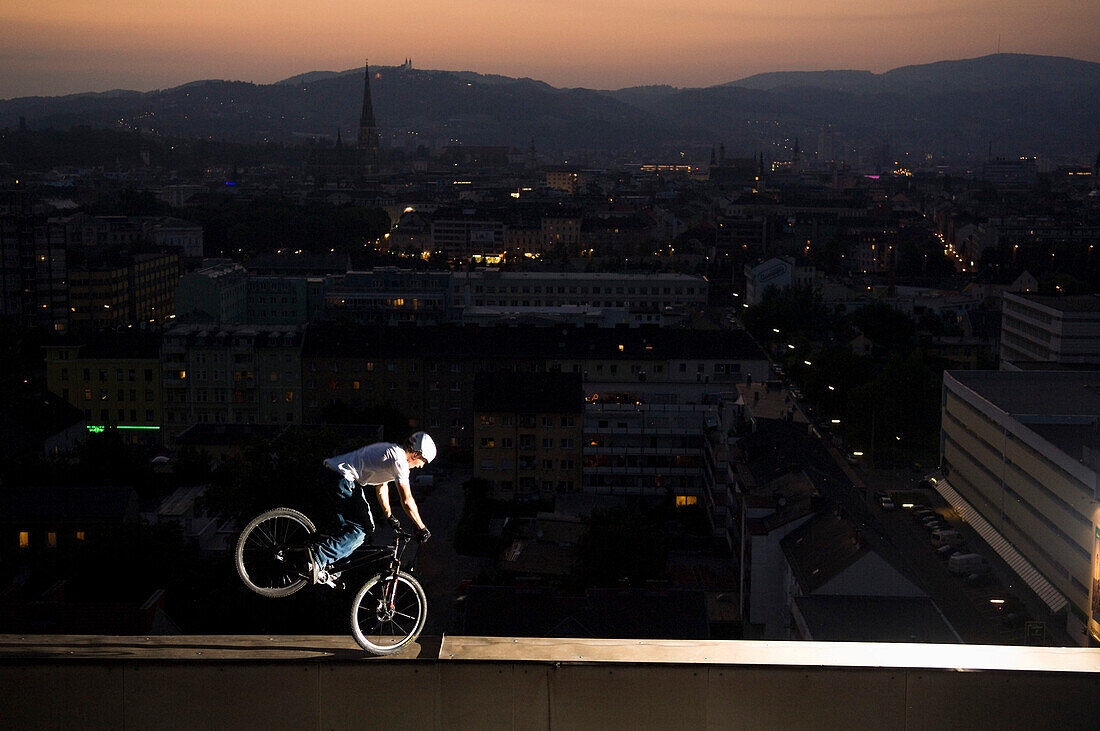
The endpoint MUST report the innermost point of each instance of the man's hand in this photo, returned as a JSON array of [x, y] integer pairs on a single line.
[[423, 535], [395, 523]]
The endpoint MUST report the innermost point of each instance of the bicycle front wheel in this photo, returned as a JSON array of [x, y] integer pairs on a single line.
[[388, 613], [271, 553]]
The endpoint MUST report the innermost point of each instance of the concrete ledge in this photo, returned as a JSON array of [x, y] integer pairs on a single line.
[[771, 653], [260, 648], [326, 682]]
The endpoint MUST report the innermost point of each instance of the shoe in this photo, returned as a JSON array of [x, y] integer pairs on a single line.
[[319, 573], [314, 566]]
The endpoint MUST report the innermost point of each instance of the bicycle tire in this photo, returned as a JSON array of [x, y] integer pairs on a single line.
[[382, 631], [265, 552]]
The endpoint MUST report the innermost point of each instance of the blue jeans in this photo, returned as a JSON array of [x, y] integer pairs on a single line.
[[354, 523]]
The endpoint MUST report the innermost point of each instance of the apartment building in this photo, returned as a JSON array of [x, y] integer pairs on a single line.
[[231, 375], [650, 450], [284, 300], [460, 232], [33, 271], [428, 373], [494, 288], [390, 296], [527, 433], [125, 291], [1021, 456], [218, 291], [114, 379]]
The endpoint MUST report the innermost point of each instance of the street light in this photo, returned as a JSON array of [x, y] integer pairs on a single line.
[[834, 421]]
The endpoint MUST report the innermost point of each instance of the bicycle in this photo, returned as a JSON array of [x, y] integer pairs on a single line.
[[389, 610]]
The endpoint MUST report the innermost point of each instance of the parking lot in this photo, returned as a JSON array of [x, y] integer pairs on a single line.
[[989, 606]]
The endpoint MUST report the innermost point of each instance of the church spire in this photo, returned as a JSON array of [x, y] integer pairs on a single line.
[[368, 129]]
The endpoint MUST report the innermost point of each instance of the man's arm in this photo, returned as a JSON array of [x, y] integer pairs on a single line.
[[408, 502]]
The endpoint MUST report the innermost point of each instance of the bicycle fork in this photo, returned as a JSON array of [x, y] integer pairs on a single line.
[[390, 592]]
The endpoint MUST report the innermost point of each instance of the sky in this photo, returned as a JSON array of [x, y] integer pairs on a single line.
[[53, 47]]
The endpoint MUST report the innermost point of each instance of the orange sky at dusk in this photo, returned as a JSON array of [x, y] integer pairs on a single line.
[[50, 47]]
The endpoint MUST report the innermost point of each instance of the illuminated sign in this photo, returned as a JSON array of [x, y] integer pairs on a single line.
[[99, 428], [1094, 623]]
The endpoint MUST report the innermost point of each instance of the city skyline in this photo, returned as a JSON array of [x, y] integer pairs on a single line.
[[54, 47]]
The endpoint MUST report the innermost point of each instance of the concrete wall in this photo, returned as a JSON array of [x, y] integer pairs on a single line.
[[395, 694]]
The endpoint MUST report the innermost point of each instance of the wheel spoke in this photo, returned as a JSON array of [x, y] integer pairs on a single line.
[[267, 552], [384, 625]]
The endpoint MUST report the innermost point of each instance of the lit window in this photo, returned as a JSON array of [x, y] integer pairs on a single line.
[[182, 375], [80, 535], [51, 539], [24, 539], [682, 500]]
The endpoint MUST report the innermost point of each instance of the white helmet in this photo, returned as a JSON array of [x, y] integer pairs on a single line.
[[422, 444]]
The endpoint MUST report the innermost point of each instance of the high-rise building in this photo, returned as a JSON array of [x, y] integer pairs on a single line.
[[33, 266]]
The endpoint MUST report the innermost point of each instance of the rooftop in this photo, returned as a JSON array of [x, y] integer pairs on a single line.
[[874, 619], [1029, 394], [1070, 303]]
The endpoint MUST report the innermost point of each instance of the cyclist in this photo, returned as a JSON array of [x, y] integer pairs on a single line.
[[375, 465]]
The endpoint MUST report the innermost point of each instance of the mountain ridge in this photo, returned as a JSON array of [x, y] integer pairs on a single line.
[[1015, 102]]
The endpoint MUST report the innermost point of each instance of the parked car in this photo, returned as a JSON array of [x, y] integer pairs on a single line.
[[946, 537], [886, 503], [979, 579], [948, 551], [967, 563]]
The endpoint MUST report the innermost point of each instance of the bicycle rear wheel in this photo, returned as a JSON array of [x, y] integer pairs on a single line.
[[388, 613], [271, 554]]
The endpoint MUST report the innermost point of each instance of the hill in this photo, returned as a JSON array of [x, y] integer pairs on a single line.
[[1013, 103]]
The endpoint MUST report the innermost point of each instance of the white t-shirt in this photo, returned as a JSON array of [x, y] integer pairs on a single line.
[[373, 464]]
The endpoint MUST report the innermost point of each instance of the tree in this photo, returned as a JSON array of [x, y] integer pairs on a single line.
[[792, 311]]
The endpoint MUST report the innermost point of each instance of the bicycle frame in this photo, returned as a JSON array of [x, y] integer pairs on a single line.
[[372, 555]]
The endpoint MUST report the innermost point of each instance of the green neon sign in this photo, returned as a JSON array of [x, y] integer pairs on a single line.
[[99, 428]]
